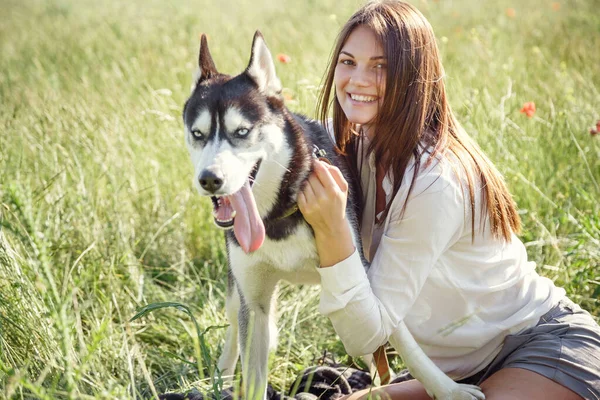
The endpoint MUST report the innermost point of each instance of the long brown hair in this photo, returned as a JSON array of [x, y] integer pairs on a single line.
[[415, 112]]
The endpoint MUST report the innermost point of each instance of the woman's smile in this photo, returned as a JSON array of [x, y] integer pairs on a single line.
[[361, 98]]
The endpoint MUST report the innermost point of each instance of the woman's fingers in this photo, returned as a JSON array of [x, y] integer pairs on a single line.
[[316, 187], [336, 174], [322, 200], [308, 191], [330, 177], [302, 202], [310, 195]]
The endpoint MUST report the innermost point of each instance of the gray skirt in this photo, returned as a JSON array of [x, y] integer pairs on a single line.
[[564, 346]]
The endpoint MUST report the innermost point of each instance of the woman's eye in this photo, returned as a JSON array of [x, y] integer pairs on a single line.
[[380, 66], [197, 134], [242, 132], [347, 62]]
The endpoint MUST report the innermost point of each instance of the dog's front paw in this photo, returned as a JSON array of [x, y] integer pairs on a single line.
[[460, 391]]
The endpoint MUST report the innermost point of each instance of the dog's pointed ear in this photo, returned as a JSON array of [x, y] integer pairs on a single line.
[[206, 65], [262, 69]]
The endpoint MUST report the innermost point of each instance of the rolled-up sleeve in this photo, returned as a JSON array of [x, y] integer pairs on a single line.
[[365, 308]]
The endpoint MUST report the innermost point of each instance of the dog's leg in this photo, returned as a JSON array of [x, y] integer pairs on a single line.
[[255, 324], [273, 333], [437, 384], [231, 352]]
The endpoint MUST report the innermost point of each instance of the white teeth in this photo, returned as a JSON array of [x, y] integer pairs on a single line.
[[216, 214], [366, 99], [223, 220]]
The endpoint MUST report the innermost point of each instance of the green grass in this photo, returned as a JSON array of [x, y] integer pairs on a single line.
[[97, 212]]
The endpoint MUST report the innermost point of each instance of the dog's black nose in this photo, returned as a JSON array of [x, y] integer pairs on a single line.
[[210, 181]]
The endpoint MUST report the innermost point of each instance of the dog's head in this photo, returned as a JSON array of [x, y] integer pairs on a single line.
[[231, 127]]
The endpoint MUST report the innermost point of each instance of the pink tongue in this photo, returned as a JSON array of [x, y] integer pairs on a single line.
[[248, 226]]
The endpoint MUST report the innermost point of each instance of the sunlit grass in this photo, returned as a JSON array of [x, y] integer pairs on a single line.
[[97, 210]]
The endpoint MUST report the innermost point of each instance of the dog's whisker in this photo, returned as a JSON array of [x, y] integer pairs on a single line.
[[281, 165]]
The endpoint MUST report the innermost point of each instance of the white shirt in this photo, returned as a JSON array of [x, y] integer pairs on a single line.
[[458, 298]]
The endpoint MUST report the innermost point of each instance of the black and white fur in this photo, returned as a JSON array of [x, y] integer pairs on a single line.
[[238, 129]]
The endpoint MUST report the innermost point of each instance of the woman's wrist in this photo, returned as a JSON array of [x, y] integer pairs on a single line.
[[334, 247]]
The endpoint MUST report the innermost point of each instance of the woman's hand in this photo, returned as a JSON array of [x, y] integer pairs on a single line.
[[322, 202]]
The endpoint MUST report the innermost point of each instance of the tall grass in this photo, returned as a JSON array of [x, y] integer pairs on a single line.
[[97, 212]]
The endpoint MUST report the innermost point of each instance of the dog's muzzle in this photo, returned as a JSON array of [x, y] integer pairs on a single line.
[[223, 212]]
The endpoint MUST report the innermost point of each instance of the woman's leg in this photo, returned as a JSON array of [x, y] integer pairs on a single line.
[[522, 384], [506, 384]]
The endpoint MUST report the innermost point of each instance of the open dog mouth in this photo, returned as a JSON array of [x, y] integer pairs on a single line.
[[239, 210], [223, 211]]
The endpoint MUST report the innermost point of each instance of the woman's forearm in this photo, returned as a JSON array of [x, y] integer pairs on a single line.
[[334, 247]]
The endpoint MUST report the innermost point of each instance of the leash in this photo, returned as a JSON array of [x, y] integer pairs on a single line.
[[319, 154], [383, 367]]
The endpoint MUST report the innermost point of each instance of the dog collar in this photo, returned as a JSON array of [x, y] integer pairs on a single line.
[[289, 212], [321, 155]]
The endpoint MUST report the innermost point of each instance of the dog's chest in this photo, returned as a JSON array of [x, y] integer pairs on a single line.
[[295, 253]]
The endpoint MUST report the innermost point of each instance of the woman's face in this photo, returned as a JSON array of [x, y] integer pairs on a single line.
[[360, 77]]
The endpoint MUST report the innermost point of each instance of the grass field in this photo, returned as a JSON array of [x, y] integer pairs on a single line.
[[97, 212]]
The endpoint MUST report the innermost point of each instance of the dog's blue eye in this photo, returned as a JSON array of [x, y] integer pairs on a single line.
[[197, 134], [242, 132]]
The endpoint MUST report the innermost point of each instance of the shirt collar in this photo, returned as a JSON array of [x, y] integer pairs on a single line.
[[387, 184]]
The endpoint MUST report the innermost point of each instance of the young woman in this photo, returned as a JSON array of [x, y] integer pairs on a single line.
[[438, 227]]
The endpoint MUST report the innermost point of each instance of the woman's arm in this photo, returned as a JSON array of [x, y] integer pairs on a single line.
[[366, 310], [323, 205]]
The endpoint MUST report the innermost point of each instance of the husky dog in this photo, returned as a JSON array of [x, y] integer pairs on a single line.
[[252, 156]]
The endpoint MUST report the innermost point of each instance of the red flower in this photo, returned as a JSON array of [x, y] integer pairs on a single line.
[[596, 131], [284, 58], [528, 109], [510, 12]]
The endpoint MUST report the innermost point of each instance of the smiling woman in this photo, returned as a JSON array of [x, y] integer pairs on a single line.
[[438, 226]]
